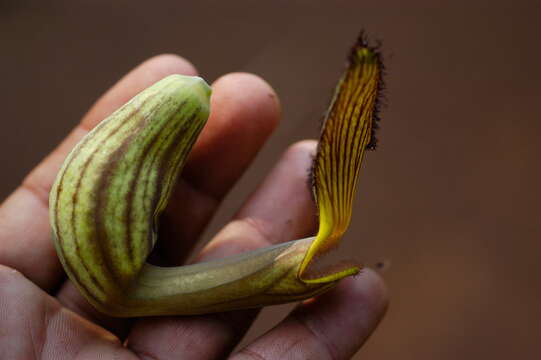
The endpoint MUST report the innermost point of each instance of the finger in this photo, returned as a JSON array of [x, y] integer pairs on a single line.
[[332, 326], [25, 242], [280, 209], [244, 112], [40, 328], [242, 117]]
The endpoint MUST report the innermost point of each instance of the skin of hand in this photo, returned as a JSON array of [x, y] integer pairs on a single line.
[[43, 316]]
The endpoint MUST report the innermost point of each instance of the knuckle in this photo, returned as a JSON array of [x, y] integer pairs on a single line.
[[261, 228]]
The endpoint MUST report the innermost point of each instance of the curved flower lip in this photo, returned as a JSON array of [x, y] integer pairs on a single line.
[[348, 130]]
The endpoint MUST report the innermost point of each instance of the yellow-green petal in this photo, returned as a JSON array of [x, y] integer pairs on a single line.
[[348, 130]]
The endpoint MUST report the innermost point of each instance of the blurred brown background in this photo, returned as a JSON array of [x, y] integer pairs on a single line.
[[452, 195]]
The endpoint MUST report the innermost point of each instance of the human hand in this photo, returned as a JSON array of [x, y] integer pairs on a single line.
[[42, 315]]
